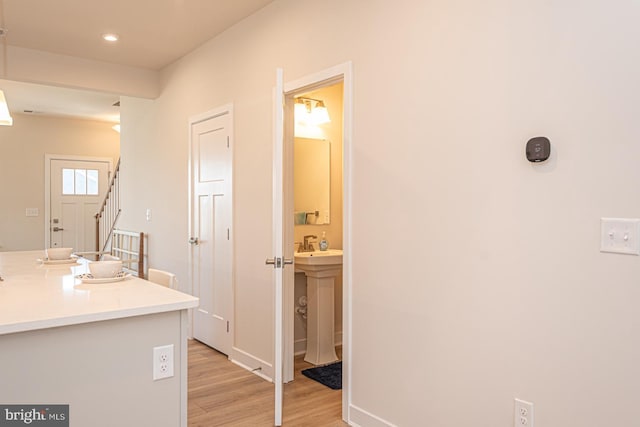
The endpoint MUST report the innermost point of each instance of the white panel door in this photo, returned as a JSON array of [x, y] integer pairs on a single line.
[[77, 188], [211, 211], [278, 261]]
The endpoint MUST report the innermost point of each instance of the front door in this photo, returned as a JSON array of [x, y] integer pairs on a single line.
[[76, 188], [211, 213]]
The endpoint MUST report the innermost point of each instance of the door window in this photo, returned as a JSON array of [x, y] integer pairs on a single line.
[[80, 182]]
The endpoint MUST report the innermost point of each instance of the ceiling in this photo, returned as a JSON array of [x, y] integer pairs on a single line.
[[33, 99], [153, 34]]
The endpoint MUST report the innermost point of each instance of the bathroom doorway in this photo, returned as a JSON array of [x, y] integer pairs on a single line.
[[332, 88]]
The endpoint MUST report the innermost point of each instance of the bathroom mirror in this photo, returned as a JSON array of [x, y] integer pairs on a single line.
[[311, 181]]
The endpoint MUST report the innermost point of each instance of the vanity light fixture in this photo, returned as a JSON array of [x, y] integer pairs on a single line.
[[110, 37], [5, 116], [310, 111], [319, 114], [301, 110]]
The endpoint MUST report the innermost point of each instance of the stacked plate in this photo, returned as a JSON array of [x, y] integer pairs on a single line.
[[104, 272], [88, 278], [59, 256]]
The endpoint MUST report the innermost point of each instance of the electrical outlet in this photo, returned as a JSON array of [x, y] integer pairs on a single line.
[[523, 414], [162, 362]]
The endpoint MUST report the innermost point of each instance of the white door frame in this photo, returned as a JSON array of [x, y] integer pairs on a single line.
[[341, 72], [47, 184], [225, 109]]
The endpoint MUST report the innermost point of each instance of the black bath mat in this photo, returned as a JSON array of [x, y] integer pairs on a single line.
[[329, 375]]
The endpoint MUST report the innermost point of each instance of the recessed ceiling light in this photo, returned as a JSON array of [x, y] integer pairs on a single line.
[[110, 37]]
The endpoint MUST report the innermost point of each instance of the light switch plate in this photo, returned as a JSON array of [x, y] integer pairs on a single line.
[[620, 235], [32, 212]]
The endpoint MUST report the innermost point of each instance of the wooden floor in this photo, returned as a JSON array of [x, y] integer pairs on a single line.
[[223, 394]]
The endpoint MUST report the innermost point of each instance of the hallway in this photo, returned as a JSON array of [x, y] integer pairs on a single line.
[[223, 394]]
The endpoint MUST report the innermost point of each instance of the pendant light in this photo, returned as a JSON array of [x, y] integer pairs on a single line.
[[5, 117]]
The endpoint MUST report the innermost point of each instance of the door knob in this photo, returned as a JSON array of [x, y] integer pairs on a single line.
[[58, 229], [278, 262], [194, 241]]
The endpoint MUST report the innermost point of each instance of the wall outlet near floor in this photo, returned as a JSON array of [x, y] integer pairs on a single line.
[[162, 362], [523, 414]]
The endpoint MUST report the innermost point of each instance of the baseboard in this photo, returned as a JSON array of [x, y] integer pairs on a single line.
[[252, 364], [359, 417], [300, 346]]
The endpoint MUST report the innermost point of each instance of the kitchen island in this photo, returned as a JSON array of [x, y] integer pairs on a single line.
[[90, 345]]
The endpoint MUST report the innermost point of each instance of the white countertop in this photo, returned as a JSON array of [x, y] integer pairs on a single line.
[[38, 296]]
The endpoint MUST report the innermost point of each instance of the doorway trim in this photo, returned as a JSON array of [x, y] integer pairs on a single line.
[[47, 184], [341, 72]]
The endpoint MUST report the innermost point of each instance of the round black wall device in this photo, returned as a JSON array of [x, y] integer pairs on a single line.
[[538, 149]]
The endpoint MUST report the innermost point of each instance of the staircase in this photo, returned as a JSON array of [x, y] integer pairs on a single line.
[[108, 213]]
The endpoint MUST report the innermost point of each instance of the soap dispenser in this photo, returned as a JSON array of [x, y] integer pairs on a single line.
[[324, 245]]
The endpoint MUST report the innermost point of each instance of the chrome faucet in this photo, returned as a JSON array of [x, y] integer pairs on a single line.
[[307, 245]]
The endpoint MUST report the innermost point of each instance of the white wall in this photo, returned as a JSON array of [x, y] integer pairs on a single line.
[[476, 275], [22, 150]]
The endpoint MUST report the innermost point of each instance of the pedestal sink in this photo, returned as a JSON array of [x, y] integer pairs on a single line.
[[318, 258], [321, 269]]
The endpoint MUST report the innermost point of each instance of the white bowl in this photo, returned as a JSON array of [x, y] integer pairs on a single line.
[[105, 269], [58, 253]]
